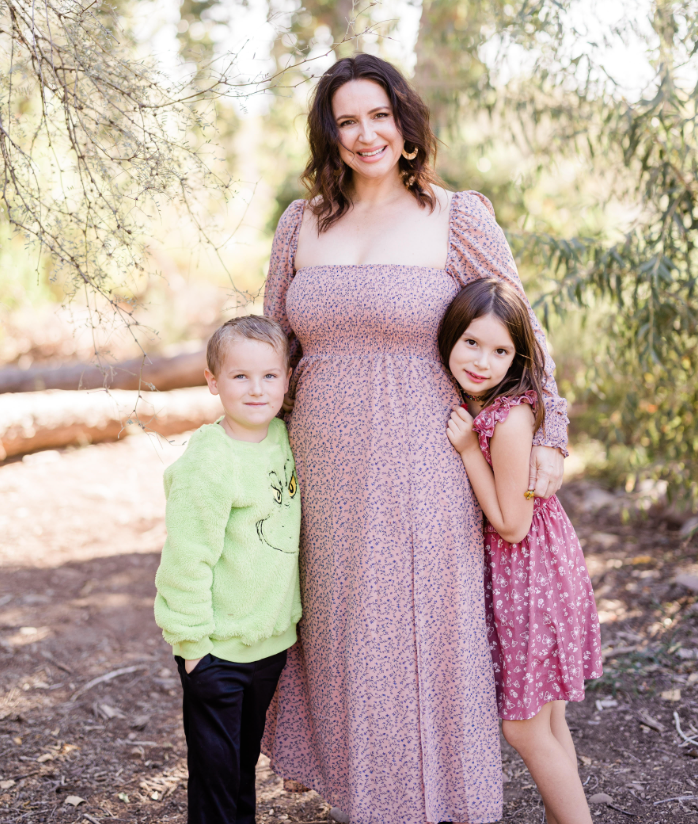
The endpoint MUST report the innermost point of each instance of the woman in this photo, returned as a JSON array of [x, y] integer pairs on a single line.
[[386, 706]]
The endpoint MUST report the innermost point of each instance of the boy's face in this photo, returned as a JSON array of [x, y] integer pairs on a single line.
[[251, 384]]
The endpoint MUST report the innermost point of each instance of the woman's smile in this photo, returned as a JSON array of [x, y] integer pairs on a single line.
[[369, 155]]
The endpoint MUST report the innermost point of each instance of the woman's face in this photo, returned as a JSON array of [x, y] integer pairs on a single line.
[[370, 142], [482, 356]]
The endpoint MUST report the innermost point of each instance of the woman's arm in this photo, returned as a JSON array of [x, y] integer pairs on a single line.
[[479, 250], [281, 271], [500, 489]]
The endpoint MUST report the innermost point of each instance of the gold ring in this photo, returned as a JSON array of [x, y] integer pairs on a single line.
[[529, 494]]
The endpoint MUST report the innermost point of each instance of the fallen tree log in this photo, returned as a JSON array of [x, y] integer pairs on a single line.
[[161, 373], [55, 418]]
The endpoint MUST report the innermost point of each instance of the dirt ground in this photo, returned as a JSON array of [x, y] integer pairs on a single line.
[[80, 534]]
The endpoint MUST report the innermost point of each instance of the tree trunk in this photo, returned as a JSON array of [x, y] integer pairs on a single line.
[[160, 373], [55, 419]]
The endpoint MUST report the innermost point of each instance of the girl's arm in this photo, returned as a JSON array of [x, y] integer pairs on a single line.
[[501, 489]]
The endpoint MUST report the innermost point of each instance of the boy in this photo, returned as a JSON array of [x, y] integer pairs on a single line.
[[228, 596]]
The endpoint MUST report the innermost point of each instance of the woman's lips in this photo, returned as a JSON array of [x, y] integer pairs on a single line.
[[372, 154]]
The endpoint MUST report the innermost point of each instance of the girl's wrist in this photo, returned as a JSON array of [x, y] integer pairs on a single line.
[[471, 446]]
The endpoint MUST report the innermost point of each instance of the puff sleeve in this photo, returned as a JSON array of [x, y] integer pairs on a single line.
[[478, 249], [281, 271]]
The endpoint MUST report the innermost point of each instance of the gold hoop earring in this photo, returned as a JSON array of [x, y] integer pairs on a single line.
[[410, 156]]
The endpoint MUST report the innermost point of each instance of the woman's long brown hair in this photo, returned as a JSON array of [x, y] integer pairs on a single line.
[[490, 296], [326, 176]]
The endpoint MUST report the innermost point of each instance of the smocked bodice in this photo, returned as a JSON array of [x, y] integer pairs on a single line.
[[355, 311]]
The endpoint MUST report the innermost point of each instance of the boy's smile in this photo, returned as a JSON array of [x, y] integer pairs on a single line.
[[251, 384]]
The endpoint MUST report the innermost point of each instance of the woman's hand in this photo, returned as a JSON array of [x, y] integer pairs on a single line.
[[546, 470], [460, 430], [287, 405]]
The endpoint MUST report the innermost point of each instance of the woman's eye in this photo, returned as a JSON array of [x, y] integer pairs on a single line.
[[345, 123]]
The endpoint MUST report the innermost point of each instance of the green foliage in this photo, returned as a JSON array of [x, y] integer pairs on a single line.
[[616, 241], [642, 387]]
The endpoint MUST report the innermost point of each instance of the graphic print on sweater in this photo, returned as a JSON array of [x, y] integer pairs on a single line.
[[273, 530]]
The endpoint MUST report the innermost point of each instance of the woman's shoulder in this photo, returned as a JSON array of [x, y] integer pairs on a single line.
[[291, 219], [469, 204]]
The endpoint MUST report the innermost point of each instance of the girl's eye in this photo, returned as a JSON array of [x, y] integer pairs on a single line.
[[502, 352], [269, 376], [471, 342]]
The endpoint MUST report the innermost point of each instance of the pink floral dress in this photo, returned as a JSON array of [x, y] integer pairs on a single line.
[[542, 625]]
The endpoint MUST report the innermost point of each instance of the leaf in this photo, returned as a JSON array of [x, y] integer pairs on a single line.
[[5, 785], [74, 800], [123, 797]]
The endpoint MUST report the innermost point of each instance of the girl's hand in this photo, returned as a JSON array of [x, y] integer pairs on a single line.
[[288, 403], [460, 430]]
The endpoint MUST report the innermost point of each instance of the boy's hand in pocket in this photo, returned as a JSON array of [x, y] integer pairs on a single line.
[[190, 665]]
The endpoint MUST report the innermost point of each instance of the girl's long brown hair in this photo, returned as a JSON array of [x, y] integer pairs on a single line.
[[326, 176], [490, 296]]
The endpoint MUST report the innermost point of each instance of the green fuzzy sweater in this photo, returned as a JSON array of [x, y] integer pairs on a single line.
[[228, 578]]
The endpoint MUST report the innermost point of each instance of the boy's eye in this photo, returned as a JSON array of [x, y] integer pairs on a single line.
[[236, 377]]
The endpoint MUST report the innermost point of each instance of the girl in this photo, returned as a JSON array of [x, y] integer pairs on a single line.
[[542, 624]]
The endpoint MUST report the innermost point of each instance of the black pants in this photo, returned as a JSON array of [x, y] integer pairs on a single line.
[[225, 707]]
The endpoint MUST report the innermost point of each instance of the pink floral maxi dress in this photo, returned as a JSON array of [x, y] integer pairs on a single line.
[[387, 704], [542, 624]]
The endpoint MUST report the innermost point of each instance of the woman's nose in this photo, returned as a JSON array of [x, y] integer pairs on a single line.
[[366, 131]]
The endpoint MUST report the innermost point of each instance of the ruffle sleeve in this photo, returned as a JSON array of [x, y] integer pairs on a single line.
[[478, 249], [281, 271], [497, 412]]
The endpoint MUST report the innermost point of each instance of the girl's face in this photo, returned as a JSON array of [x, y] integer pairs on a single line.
[[370, 142], [482, 356]]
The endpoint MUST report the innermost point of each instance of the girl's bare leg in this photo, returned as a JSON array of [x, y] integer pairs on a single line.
[[561, 731], [551, 767]]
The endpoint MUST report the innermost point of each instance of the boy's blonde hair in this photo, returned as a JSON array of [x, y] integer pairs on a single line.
[[249, 327]]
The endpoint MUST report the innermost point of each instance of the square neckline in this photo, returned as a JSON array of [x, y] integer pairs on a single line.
[[364, 265]]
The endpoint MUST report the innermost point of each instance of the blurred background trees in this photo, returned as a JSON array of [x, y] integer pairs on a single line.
[[576, 118]]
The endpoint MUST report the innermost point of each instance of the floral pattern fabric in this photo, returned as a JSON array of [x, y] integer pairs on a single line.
[[542, 624], [387, 704]]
